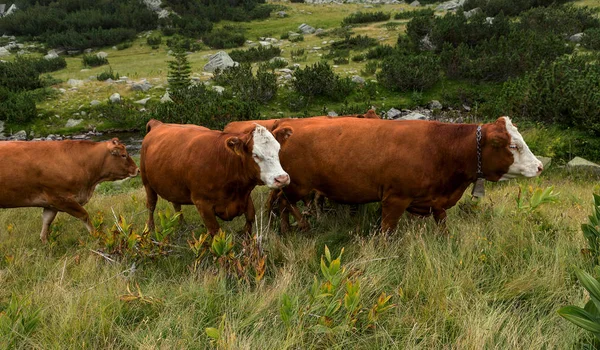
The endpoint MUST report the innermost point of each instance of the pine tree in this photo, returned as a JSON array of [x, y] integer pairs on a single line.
[[179, 70]]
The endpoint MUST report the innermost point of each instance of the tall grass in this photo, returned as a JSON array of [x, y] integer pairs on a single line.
[[495, 282]]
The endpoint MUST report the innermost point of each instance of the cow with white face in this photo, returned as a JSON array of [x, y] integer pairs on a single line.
[[525, 164], [213, 170]]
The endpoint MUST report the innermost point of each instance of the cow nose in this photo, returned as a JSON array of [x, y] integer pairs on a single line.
[[282, 180], [540, 168], [136, 172]]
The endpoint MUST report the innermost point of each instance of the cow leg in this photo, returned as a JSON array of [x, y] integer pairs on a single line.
[[272, 201], [440, 218], [250, 215], [303, 225], [392, 209], [177, 208], [73, 208], [207, 213], [48, 216], [319, 204], [284, 212], [151, 199]]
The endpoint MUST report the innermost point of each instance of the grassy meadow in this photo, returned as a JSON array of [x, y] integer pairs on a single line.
[[495, 281]]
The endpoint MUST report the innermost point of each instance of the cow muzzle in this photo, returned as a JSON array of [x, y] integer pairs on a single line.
[[135, 172], [282, 180]]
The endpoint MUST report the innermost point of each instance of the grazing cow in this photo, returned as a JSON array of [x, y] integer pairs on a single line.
[[422, 167], [215, 171], [59, 175]]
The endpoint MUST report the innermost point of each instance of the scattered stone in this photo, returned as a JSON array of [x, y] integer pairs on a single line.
[[282, 14], [466, 108], [218, 89], [264, 43], [83, 113], [219, 60], [576, 37], [306, 29], [115, 98], [51, 55], [85, 70], [316, 48], [89, 50], [101, 54], [95, 103], [414, 116], [319, 31], [142, 101], [426, 44], [293, 35], [546, 161], [358, 79], [166, 98], [489, 20], [1, 127], [74, 82], [143, 85], [579, 163], [450, 5], [4, 52], [332, 114], [73, 122], [19, 136], [415, 3], [393, 113], [473, 12], [435, 104]]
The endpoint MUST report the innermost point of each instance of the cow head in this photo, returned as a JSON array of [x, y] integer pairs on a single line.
[[118, 164], [263, 148], [505, 153]]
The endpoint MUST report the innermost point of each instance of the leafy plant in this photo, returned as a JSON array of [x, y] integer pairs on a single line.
[[255, 54], [587, 317], [154, 40], [591, 231], [17, 321], [90, 60], [365, 17], [538, 197], [107, 74], [403, 73]]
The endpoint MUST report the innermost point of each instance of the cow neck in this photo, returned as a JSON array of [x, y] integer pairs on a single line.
[[97, 168]]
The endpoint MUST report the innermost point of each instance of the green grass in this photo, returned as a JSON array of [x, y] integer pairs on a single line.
[[495, 282]]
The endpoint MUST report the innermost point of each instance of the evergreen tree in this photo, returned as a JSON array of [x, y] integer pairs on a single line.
[[179, 70]]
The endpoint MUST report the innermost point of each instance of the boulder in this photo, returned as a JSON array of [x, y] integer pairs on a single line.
[[166, 98], [358, 79], [142, 85], [489, 20], [264, 43], [473, 12], [142, 101], [73, 122], [4, 52], [115, 98], [580, 164], [51, 55], [306, 29], [426, 44], [435, 104], [1, 127], [219, 60], [546, 161], [576, 37], [94, 103], [414, 116], [74, 82], [450, 5], [73, 52], [218, 89], [415, 3], [319, 31], [19, 136], [393, 113], [101, 54], [332, 114], [282, 14]]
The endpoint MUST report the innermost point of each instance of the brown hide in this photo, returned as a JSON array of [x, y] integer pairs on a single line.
[[420, 166], [59, 175], [187, 164]]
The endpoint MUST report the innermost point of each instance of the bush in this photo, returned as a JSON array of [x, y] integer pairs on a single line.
[[125, 45], [93, 60], [358, 42], [19, 76], [455, 29], [275, 63], [16, 107], [405, 73], [202, 106], [379, 52], [365, 17], [154, 40], [320, 80], [591, 39], [224, 39], [491, 8], [107, 74], [418, 27], [358, 58], [340, 60], [42, 65], [187, 44], [370, 68], [246, 86], [297, 39], [168, 30], [564, 92], [192, 26], [415, 13], [255, 54], [564, 20], [76, 40]]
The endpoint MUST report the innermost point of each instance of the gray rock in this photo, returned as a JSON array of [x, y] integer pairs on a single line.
[[393, 113], [319, 31], [293, 35], [166, 98], [358, 79], [306, 29], [414, 116], [415, 3], [264, 43], [51, 55], [473, 12], [435, 104], [10, 11], [101, 54], [282, 14], [426, 44], [142, 101], [579, 163], [218, 89], [576, 37], [219, 60], [1, 127], [73, 122], [450, 5], [19, 136], [88, 50], [83, 113], [546, 161], [115, 98], [62, 91], [142, 85], [466, 108], [332, 114], [73, 52], [95, 103], [285, 70], [4, 52], [74, 82], [489, 20]]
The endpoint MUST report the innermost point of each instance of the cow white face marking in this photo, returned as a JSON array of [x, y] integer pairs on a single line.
[[525, 163], [265, 153]]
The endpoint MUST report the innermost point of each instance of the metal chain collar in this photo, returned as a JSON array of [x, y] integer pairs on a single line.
[[479, 166]]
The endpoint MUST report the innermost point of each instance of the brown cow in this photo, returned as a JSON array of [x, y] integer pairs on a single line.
[[59, 175], [215, 171], [419, 166]]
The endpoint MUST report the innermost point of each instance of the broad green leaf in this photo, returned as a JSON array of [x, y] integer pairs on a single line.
[[327, 253], [589, 283], [580, 317], [213, 333]]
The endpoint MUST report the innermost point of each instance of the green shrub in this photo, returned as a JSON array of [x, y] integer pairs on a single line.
[[587, 317], [224, 39], [454, 28], [320, 80], [154, 40], [168, 30], [76, 40], [340, 60], [297, 39], [371, 68], [365, 17], [492, 8], [178, 42], [123, 46], [275, 63], [42, 65], [358, 58], [564, 20], [255, 54], [285, 36], [405, 73], [246, 86], [202, 106], [418, 27], [192, 26], [358, 42], [107, 74], [379, 52], [91, 60], [591, 39], [564, 92], [19, 76], [16, 107], [414, 13], [179, 70], [340, 53]]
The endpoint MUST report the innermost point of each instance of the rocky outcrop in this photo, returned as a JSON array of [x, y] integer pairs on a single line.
[[220, 60]]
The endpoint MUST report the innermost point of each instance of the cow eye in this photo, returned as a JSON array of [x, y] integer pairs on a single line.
[[513, 146], [124, 155], [256, 156]]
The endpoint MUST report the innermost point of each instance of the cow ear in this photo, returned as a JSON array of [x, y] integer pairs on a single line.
[[235, 145], [282, 134], [115, 141]]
